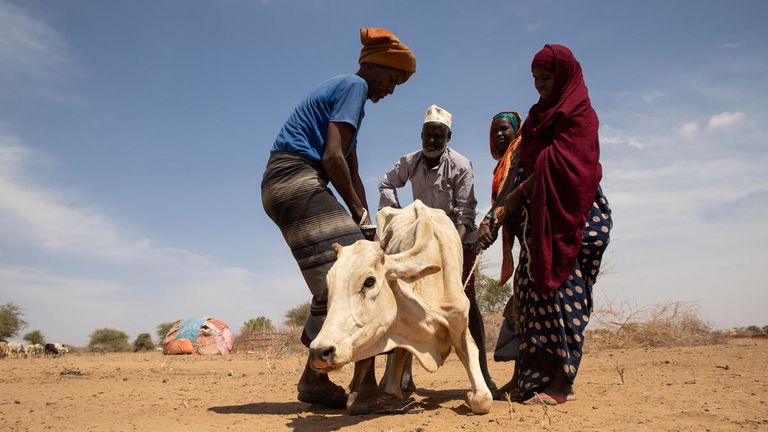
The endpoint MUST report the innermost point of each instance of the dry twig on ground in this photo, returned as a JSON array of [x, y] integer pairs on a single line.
[[620, 371]]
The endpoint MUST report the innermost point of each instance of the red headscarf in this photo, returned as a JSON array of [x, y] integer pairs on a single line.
[[560, 148]]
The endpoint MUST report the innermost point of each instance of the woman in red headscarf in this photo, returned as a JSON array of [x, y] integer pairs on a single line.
[[562, 221]]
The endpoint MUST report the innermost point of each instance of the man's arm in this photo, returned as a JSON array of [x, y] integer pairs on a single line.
[[357, 184], [465, 201], [393, 179], [339, 172]]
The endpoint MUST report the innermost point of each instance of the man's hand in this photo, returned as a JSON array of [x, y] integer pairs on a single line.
[[366, 220]]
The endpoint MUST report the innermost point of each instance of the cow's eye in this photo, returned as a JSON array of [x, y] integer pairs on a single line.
[[369, 282]]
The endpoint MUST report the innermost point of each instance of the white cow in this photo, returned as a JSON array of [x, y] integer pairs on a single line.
[[15, 350], [61, 348], [404, 291]]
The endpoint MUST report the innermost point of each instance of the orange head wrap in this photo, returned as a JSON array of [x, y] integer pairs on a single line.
[[383, 48]]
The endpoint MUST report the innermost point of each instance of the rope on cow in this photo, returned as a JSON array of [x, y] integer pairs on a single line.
[[474, 266], [525, 244], [362, 219]]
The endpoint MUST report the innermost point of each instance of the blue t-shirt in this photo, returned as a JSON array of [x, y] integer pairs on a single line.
[[339, 99]]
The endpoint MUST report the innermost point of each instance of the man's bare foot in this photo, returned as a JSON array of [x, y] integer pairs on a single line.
[[330, 395], [317, 388]]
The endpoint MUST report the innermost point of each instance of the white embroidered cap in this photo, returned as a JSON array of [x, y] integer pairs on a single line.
[[436, 114]]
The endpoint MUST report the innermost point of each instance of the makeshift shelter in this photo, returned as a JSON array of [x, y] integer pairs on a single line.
[[199, 335]]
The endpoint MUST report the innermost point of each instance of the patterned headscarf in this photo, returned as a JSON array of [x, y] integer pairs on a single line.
[[504, 159]]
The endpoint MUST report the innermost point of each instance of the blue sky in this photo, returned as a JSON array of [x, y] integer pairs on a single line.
[[133, 137]]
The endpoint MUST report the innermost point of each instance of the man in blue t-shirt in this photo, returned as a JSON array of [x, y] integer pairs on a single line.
[[318, 144]]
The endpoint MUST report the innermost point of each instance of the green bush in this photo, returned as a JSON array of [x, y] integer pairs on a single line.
[[260, 323], [110, 339], [490, 296], [35, 337], [10, 321], [143, 342], [297, 317], [162, 330]]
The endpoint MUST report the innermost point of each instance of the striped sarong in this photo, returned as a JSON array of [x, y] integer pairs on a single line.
[[295, 195]]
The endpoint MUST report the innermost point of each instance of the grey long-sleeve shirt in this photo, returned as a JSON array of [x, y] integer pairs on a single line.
[[448, 186]]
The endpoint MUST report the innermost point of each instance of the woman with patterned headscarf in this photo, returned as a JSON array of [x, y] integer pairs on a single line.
[[505, 137], [318, 145], [562, 221]]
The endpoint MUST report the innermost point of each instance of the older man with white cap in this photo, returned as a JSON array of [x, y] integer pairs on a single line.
[[442, 178]]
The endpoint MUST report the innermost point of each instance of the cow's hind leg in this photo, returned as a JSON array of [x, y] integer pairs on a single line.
[[479, 398]]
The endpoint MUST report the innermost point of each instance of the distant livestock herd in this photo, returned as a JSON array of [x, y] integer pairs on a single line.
[[19, 350]]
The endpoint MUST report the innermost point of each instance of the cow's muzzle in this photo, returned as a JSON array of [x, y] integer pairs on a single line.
[[322, 358]]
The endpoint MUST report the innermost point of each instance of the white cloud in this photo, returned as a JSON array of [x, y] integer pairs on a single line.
[[28, 44], [533, 26], [732, 45], [612, 136], [31, 213], [651, 97], [117, 278], [682, 232], [724, 120], [688, 130], [624, 96]]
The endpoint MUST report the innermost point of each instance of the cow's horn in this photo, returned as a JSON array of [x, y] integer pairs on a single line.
[[337, 248]]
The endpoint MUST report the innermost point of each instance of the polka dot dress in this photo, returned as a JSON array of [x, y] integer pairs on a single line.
[[552, 325]]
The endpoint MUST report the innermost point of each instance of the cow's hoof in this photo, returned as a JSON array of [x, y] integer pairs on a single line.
[[480, 402]]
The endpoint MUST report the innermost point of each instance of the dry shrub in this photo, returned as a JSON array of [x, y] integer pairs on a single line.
[[270, 343], [752, 331], [492, 323], [620, 325]]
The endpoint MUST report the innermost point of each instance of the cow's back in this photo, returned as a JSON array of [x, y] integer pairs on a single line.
[[398, 233], [397, 227]]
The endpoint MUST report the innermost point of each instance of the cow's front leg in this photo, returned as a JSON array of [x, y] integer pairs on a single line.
[[479, 398]]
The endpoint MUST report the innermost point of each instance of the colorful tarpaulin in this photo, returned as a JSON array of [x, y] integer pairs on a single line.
[[199, 335]]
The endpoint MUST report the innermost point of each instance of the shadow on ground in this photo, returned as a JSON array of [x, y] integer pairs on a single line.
[[304, 417]]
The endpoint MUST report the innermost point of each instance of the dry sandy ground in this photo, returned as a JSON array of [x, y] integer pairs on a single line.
[[671, 389]]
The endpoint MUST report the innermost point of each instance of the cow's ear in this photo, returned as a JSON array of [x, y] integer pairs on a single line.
[[337, 248], [411, 271]]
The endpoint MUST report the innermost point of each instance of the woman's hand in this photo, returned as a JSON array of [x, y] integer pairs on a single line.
[[485, 236], [489, 229]]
